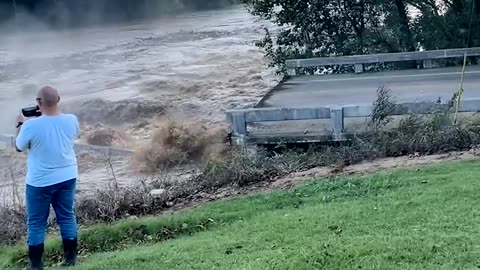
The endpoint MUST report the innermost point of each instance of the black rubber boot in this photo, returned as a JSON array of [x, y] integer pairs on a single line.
[[70, 252], [35, 254]]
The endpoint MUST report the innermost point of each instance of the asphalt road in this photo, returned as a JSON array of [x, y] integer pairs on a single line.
[[360, 89]]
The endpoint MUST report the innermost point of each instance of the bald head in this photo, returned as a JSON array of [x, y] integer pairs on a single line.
[[48, 96]]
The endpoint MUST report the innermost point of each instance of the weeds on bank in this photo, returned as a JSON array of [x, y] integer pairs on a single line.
[[12, 212]]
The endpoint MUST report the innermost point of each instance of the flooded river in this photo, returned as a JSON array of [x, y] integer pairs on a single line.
[[197, 65], [194, 65]]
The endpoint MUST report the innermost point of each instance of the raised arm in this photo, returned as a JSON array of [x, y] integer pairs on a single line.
[[23, 134]]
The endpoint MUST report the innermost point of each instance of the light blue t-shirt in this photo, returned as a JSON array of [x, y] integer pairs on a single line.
[[49, 142]]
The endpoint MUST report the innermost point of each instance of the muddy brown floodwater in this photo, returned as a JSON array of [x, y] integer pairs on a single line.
[[194, 66]]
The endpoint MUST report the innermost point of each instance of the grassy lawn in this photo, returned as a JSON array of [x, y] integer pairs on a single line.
[[407, 219]]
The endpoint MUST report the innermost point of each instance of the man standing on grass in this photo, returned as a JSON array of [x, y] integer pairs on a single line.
[[51, 174]]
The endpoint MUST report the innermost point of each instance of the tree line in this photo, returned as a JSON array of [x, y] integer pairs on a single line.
[[84, 12], [319, 28]]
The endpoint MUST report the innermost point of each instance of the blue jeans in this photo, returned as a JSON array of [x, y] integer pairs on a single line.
[[62, 198]]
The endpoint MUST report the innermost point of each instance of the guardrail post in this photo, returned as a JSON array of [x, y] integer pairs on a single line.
[[358, 68], [336, 115], [427, 63], [292, 71], [239, 123]]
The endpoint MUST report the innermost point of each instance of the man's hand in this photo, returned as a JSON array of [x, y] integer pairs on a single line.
[[20, 119]]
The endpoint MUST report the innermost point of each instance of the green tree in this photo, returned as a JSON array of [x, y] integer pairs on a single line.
[[322, 28], [456, 27]]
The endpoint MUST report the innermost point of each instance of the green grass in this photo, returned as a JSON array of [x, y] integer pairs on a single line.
[[407, 219]]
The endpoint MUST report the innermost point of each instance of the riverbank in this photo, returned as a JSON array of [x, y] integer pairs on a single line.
[[410, 211], [184, 164]]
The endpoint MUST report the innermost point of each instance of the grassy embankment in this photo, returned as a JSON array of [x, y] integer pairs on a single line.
[[423, 218]]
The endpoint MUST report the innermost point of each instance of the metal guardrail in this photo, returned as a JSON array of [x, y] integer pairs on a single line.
[[107, 151], [239, 120], [359, 60]]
